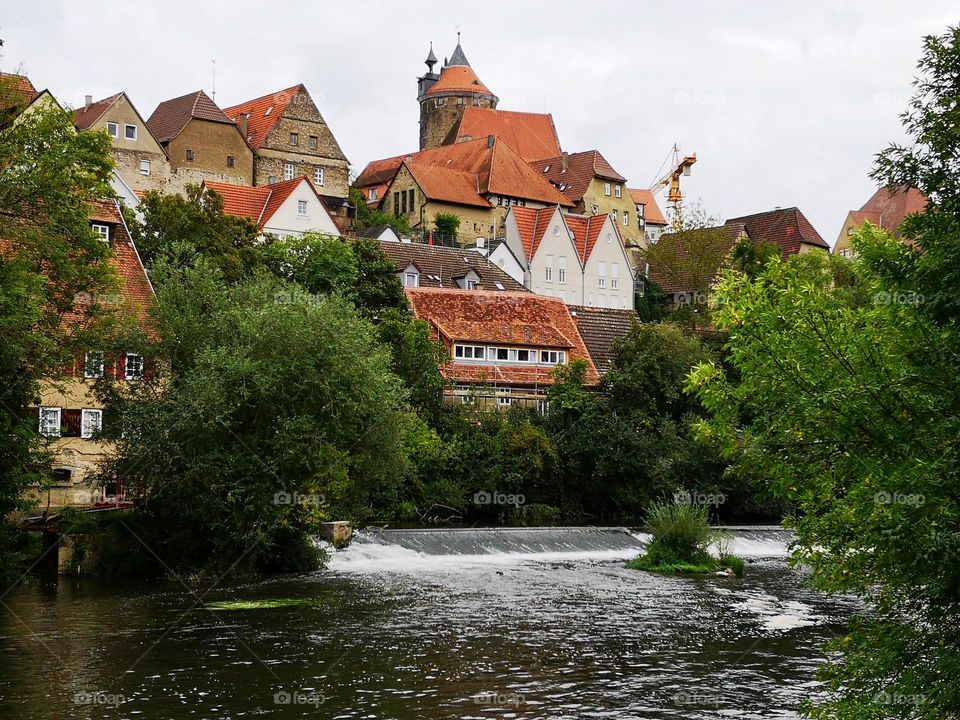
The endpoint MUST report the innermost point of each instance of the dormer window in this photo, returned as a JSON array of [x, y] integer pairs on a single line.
[[469, 281], [372, 194], [102, 230], [411, 276]]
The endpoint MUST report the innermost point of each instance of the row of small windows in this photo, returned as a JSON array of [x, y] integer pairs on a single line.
[[129, 131], [312, 141], [617, 190], [562, 272], [483, 353], [94, 365], [404, 201], [57, 422]]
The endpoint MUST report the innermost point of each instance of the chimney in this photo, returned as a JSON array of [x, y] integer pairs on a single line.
[[564, 162], [490, 140], [87, 102]]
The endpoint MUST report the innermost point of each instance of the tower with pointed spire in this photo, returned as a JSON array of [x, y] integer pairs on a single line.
[[444, 95]]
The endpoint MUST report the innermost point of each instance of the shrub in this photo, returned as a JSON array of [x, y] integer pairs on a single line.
[[682, 530]]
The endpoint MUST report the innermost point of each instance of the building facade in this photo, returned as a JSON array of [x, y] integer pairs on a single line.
[[886, 209]]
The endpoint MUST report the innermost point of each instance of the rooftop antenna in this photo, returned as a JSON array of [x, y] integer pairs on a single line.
[[214, 91]]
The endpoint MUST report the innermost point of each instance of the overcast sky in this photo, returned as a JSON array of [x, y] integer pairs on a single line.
[[784, 103]]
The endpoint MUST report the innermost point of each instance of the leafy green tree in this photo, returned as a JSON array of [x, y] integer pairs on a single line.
[[751, 257], [49, 176], [447, 224], [195, 226], [377, 287], [367, 218], [273, 399], [319, 263]]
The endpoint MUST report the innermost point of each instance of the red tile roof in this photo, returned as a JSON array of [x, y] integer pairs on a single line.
[[601, 328], [264, 112], [690, 253], [531, 135], [380, 172], [458, 79], [85, 117], [171, 116], [786, 227], [651, 211], [258, 203], [891, 206], [532, 224], [441, 266], [582, 168], [447, 185], [16, 90], [586, 230], [505, 318], [135, 286]]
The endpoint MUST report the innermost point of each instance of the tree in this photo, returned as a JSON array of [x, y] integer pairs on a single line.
[[272, 417], [367, 218], [195, 226], [751, 257], [320, 264], [49, 176], [377, 287], [447, 224]]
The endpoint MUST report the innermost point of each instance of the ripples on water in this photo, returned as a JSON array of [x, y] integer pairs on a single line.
[[392, 632]]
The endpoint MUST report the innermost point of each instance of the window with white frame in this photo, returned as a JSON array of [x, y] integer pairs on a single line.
[[561, 268], [553, 357], [470, 352], [93, 365], [614, 276], [102, 230], [626, 218], [114, 129], [50, 421], [470, 283], [91, 422], [618, 191], [504, 401], [313, 142], [502, 354], [288, 171], [601, 274], [318, 178], [371, 193], [133, 368], [302, 208], [606, 189], [130, 132], [613, 214], [144, 167], [548, 268], [411, 279]]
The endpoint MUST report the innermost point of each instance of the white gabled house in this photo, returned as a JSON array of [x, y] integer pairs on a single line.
[[283, 209], [580, 259]]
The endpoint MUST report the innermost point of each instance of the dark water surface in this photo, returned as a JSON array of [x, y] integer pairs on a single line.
[[411, 627]]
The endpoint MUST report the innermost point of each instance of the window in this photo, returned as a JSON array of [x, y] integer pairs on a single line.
[[552, 357], [403, 202], [50, 421], [411, 279], [849, 232], [93, 365], [102, 230], [190, 155], [556, 231], [470, 352], [318, 179], [562, 269], [618, 191], [302, 208], [548, 269], [133, 370], [543, 406], [606, 189], [523, 356], [272, 180], [130, 132], [626, 218], [614, 276], [91, 422], [504, 401], [231, 161], [595, 209], [411, 199], [613, 214], [144, 167], [313, 142], [470, 284], [396, 203], [460, 101], [845, 252], [288, 171], [294, 139], [371, 193], [502, 354], [114, 129]]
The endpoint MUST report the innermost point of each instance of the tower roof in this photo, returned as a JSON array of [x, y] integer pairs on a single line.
[[458, 57], [431, 58]]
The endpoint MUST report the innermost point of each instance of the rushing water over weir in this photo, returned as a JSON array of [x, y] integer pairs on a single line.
[[478, 623]]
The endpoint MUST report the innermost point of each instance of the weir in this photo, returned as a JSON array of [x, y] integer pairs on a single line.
[[485, 541]]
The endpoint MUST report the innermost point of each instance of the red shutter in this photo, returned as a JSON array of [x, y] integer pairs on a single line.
[[121, 365], [70, 420], [147, 370]]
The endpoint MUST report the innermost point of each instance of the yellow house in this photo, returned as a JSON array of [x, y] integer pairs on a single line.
[[887, 208]]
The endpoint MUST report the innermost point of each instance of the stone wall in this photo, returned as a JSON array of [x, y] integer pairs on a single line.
[[212, 143], [438, 115]]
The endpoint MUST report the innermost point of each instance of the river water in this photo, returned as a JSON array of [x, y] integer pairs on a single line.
[[430, 624]]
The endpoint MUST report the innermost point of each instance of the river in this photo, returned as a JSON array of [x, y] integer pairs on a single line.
[[430, 624]]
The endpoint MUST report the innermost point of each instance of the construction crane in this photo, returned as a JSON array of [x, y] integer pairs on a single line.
[[678, 166]]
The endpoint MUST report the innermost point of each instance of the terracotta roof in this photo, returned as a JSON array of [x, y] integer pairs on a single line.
[[682, 248], [586, 230], [532, 224], [582, 168], [171, 116], [651, 211], [17, 90], [891, 206], [440, 266], [600, 328], [258, 203], [786, 227], [85, 117], [264, 112], [531, 135], [447, 185], [507, 318], [458, 79], [380, 172]]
